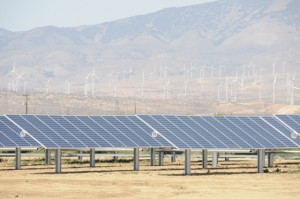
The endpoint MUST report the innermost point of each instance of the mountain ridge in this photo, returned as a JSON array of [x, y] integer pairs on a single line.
[[220, 32]]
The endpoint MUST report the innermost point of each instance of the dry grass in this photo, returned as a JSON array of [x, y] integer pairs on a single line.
[[234, 179]]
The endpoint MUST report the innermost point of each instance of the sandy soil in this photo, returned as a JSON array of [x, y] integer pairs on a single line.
[[234, 179]]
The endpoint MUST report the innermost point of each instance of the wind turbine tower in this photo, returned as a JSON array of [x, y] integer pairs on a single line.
[[274, 87]]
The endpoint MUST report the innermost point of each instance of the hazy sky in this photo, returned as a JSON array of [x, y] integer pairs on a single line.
[[20, 15]]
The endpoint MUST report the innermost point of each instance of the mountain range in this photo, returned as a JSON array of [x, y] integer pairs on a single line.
[[223, 32]]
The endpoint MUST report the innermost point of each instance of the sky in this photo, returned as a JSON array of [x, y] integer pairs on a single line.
[[23, 15]]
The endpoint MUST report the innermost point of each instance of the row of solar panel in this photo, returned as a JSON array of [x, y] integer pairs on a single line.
[[223, 132], [198, 132], [88, 131]]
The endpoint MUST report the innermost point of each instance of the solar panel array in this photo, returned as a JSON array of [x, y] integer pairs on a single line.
[[88, 131], [10, 136], [208, 132], [182, 132]]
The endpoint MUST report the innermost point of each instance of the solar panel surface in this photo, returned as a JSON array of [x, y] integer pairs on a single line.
[[208, 132], [88, 131], [10, 135], [291, 123]]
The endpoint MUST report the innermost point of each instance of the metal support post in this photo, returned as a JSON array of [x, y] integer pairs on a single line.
[[80, 156], [173, 157], [47, 156], [152, 157], [270, 159], [260, 160], [58, 161], [226, 158], [136, 154], [204, 159], [215, 159], [187, 161], [116, 156], [161, 158], [18, 158], [92, 157]]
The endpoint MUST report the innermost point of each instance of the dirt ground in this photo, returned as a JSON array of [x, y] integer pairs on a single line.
[[234, 179]]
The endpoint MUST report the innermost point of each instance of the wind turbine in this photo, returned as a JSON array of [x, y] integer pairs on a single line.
[[93, 81], [185, 87], [16, 76], [231, 87], [109, 78], [166, 89], [47, 86], [226, 89], [274, 86], [292, 90], [274, 63], [17, 81], [86, 86], [288, 88]]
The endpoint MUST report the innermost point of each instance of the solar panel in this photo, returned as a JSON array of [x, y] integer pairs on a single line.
[[292, 121], [287, 124], [207, 132], [273, 134], [10, 135], [88, 131]]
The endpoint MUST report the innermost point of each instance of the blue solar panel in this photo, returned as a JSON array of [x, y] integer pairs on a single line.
[[114, 141], [43, 139], [113, 130], [10, 135], [198, 132], [274, 135], [142, 127], [167, 133], [286, 124], [94, 139], [139, 135], [223, 125], [205, 138], [258, 141], [72, 138], [87, 131], [292, 121], [218, 132]]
